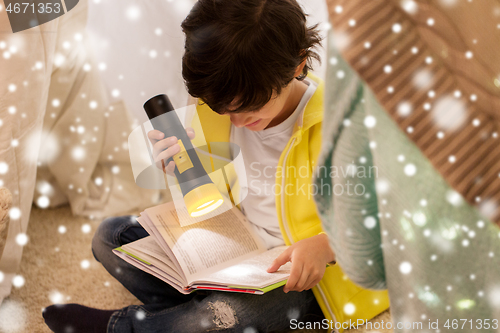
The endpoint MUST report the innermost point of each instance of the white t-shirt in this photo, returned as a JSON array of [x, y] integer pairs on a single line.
[[261, 152]]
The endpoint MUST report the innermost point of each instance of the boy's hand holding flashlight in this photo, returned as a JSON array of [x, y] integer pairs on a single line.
[[165, 148]]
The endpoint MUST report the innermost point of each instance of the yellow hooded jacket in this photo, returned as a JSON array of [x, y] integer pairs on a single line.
[[340, 299]]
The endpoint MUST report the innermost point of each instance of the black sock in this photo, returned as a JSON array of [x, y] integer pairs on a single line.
[[76, 318]]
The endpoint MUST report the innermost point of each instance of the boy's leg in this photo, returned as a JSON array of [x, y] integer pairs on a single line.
[[113, 232], [116, 231], [231, 312]]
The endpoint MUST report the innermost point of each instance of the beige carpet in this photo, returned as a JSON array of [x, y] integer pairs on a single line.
[[54, 267]]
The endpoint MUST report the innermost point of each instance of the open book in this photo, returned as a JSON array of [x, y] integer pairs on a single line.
[[219, 253]]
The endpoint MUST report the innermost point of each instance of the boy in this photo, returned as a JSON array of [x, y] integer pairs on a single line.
[[247, 60]]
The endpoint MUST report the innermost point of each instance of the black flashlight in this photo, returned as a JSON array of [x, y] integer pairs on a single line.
[[201, 196]]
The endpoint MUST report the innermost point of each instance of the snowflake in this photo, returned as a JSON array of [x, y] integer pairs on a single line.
[[419, 219], [448, 3], [370, 121], [14, 213], [133, 13], [140, 315], [405, 267], [349, 309], [410, 6], [84, 264], [43, 201], [404, 109], [410, 169], [56, 297], [250, 329], [4, 167], [18, 281], [370, 222], [454, 198], [423, 79], [86, 228], [382, 186], [293, 313], [22, 239], [396, 28], [78, 153]]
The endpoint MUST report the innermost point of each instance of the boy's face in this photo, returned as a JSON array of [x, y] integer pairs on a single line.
[[271, 114]]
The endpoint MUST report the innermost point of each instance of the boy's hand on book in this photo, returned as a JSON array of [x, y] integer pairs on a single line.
[[309, 258], [165, 148]]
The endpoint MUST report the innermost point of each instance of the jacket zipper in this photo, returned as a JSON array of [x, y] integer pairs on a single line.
[[287, 230]]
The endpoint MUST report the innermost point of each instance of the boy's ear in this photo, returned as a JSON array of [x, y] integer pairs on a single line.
[[300, 68]]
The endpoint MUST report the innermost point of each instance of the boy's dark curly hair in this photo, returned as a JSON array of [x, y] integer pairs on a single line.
[[241, 53]]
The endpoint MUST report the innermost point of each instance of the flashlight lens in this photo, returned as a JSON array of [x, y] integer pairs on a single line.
[[207, 209], [205, 204]]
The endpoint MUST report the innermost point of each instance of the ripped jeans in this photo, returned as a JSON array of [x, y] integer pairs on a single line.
[[167, 310]]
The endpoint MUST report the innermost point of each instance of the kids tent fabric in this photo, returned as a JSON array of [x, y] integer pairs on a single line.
[[60, 132], [434, 67], [407, 228]]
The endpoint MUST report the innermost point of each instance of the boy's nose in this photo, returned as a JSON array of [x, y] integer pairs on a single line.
[[239, 120]]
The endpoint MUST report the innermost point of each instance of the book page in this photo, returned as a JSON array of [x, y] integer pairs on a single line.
[[147, 249], [150, 269], [149, 226], [207, 246], [251, 272]]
